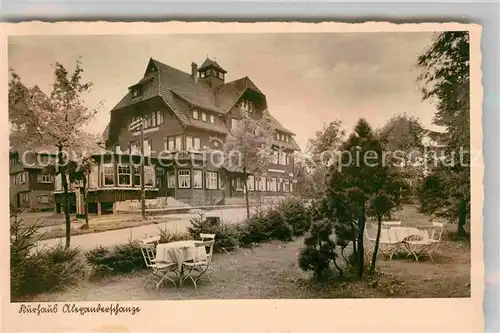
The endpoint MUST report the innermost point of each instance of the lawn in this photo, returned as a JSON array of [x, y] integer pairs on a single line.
[[271, 271]]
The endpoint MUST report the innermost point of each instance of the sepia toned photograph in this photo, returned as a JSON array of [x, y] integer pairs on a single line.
[[235, 166]]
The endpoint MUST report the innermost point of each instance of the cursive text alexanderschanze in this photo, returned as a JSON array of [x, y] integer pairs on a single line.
[[112, 309]]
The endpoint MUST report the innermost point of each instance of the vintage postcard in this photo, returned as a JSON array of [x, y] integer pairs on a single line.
[[234, 177]]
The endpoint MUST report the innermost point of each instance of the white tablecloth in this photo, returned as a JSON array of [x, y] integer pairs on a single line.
[[400, 233], [178, 252]]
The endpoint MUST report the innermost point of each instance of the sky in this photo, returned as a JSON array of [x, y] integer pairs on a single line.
[[309, 79]]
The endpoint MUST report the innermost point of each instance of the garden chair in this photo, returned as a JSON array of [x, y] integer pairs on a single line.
[[205, 237], [160, 269], [151, 240], [197, 269], [387, 245], [435, 238]]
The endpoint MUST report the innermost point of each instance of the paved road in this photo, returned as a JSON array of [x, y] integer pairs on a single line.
[[176, 223]]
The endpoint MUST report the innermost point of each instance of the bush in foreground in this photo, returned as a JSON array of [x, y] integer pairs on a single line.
[[123, 258], [277, 227], [296, 214], [36, 271], [226, 235], [167, 236], [319, 250]]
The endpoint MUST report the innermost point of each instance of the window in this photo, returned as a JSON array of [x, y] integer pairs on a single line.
[[196, 143], [159, 117], [212, 118], [262, 183], [202, 74], [149, 176], [286, 185], [189, 142], [239, 185], [271, 184], [178, 143], [136, 91], [275, 158], [184, 179], [288, 138], [282, 158], [137, 175], [14, 160], [203, 116], [24, 197], [247, 106], [20, 178], [197, 179], [195, 114], [134, 148], [45, 178], [152, 119], [169, 144], [160, 176], [147, 147], [44, 199], [108, 175], [288, 159], [124, 175], [170, 179], [211, 180], [250, 183], [118, 149]]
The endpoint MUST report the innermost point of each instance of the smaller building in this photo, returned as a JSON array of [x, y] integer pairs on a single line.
[[31, 188]]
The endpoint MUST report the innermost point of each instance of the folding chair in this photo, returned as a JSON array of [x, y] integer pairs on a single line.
[[435, 238], [197, 269], [386, 245], [160, 269], [151, 240], [205, 237]]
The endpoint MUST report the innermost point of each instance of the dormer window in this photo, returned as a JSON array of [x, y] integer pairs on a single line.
[[195, 114], [212, 119], [203, 116], [136, 91]]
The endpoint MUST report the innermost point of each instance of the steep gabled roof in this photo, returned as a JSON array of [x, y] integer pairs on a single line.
[[277, 125], [229, 93], [179, 90]]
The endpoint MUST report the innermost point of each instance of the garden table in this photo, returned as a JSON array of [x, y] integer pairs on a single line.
[[179, 252], [416, 241]]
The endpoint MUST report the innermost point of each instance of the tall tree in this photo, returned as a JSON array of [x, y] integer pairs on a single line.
[[361, 183], [54, 120], [445, 81], [402, 137], [248, 148], [321, 150]]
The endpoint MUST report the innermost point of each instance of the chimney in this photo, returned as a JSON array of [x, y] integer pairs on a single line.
[[194, 71]]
